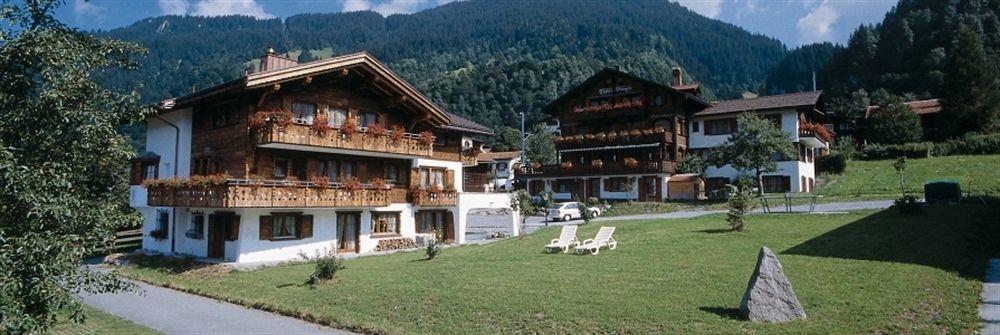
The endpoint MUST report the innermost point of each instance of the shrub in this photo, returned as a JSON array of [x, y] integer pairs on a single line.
[[908, 150], [433, 249], [973, 144], [740, 202], [846, 146], [692, 164], [907, 205], [832, 163], [327, 265]]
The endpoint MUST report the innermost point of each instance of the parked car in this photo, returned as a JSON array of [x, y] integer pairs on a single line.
[[569, 210]]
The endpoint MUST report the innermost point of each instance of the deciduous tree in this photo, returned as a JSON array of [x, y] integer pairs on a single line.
[[63, 165], [539, 147], [757, 145]]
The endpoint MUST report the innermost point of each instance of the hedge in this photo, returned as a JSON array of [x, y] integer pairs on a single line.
[[832, 163], [967, 145]]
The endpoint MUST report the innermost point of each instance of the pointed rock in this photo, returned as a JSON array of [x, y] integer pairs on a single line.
[[769, 296]]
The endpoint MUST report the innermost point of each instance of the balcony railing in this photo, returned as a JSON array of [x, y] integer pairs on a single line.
[[816, 130], [625, 137], [243, 193], [302, 134], [603, 169], [428, 198], [467, 157]]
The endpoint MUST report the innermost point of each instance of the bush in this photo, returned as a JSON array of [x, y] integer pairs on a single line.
[[432, 249], [832, 163], [739, 204], [907, 205], [908, 150], [327, 265], [969, 145]]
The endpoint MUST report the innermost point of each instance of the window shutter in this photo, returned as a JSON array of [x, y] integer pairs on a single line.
[[418, 221], [305, 226], [414, 177], [449, 226], [266, 228], [449, 179], [234, 228]]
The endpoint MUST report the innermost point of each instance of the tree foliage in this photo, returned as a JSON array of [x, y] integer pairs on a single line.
[[507, 139], [972, 94], [62, 163], [540, 146], [893, 123], [756, 146], [692, 164]]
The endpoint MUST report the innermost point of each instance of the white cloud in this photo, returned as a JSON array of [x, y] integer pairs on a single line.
[[84, 8], [173, 7], [230, 7], [355, 5], [709, 8], [816, 26], [397, 7]]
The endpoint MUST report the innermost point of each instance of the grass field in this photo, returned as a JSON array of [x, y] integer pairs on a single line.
[[979, 175], [858, 273], [99, 323]]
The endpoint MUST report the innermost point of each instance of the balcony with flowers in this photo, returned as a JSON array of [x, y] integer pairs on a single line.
[[598, 167], [277, 128], [434, 196], [222, 191], [814, 134], [613, 138]]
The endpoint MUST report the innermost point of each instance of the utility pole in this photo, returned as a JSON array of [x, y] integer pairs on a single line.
[[523, 159]]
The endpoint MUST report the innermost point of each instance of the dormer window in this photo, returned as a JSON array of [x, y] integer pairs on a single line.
[[303, 112]]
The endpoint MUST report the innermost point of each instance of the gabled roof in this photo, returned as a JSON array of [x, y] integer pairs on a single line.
[[812, 99], [920, 107], [314, 68], [459, 123], [550, 108]]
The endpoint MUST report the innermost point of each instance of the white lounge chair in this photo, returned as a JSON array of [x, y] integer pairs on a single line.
[[567, 238], [604, 238]]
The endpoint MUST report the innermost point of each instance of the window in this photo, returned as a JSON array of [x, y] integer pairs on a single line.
[[347, 169], [337, 117], [330, 169], [428, 221], [776, 184], [502, 166], [303, 112], [385, 223], [280, 168], [162, 220], [431, 177], [197, 229], [285, 226], [368, 119], [618, 184], [694, 127], [564, 186], [658, 100], [206, 166], [391, 173], [149, 171], [720, 126]]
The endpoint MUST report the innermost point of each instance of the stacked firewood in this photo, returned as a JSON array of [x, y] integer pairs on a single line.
[[395, 244]]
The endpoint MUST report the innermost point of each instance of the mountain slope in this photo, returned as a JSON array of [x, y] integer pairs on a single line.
[[487, 60]]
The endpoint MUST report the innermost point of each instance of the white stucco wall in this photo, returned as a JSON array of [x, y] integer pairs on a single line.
[[698, 140], [160, 139]]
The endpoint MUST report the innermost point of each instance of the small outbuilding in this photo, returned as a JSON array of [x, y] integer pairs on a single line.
[[688, 186]]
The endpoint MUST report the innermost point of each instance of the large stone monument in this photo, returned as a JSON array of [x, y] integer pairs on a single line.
[[769, 296]]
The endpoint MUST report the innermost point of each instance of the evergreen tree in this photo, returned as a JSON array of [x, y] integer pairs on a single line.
[[62, 164], [540, 147], [972, 100], [305, 57]]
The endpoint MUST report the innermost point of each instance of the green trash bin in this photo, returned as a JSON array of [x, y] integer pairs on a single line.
[[942, 191]]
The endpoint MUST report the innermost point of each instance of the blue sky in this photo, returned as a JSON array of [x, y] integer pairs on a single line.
[[794, 22]]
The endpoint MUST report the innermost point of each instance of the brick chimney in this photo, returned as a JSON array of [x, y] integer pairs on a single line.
[[272, 61], [678, 78]]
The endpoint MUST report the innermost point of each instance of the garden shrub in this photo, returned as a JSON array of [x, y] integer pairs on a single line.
[[908, 150], [432, 249], [740, 202], [327, 265], [972, 144], [833, 163]]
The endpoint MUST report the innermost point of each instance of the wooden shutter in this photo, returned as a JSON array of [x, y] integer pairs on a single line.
[[305, 226], [659, 189], [414, 177], [449, 179], [418, 220], [449, 226], [233, 232], [266, 228]]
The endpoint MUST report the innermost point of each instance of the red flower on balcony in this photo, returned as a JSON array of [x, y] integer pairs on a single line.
[[398, 133], [261, 118], [320, 125], [631, 162], [566, 165], [350, 127], [351, 184], [427, 138], [378, 130], [321, 182], [378, 183]]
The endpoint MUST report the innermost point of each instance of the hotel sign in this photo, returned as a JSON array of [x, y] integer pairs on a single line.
[[615, 90]]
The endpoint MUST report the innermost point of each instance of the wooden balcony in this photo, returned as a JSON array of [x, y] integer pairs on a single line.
[[611, 168], [428, 199], [269, 194], [618, 138], [301, 134], [467, 157]]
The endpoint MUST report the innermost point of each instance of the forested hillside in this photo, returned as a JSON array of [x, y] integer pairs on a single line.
[[487, 60]]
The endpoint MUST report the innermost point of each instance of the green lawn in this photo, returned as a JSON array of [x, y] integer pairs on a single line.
[[866, 272], [977, 174], [98, 323]]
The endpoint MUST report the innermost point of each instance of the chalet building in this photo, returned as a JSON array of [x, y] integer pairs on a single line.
[[497, 170], [337, 153], [929, 111], [798, 114], [621, 138]]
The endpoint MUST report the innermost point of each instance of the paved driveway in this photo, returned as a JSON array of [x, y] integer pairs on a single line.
[[175, 312]]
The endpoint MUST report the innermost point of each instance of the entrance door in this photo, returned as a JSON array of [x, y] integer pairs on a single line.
[[217, 225], [348, 230], [652, 189], [449, 227], [643, 189], [594, 188]]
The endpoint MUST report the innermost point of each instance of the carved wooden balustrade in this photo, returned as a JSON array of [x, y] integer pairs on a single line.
[[241, 193], [302, 134], [558, 170], [428, 198]]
